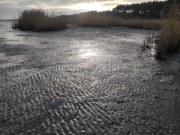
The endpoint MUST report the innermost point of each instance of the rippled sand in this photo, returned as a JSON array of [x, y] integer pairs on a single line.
[[86, 81]]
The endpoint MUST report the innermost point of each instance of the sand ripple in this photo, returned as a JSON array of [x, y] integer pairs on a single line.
[[52, 84]]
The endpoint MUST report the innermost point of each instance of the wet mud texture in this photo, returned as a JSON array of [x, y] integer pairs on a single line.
[[86, 81]]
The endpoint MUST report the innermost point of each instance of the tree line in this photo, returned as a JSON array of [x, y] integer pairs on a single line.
[[151, 10]]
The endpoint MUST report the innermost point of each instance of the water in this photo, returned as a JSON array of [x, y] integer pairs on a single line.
[[86, 81]]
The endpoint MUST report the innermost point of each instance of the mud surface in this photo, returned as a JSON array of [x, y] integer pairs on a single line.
[[86, 81]]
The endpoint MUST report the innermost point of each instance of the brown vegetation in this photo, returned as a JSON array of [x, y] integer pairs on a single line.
[[169, 38], [94, 19], [38, 20]]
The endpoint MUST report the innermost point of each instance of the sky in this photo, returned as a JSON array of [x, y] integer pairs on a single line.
[[9, 9]]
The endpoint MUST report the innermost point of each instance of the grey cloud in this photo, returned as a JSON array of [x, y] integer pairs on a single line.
[[7, 5], [8, 12], [109, 4], [58, 2], [50, 3]]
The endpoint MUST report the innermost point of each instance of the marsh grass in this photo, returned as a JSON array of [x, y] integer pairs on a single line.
[[94, 19], [142, 23], [169, 38], [38, 20]]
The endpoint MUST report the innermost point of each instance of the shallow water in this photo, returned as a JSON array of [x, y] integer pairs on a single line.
[[86, 81]]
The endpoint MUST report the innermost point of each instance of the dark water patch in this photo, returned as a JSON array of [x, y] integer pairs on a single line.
[[13, 50], [3, 61], [120, 101], [56, 104], [27, 35], [12, 40], [2, 38], [44, 42]]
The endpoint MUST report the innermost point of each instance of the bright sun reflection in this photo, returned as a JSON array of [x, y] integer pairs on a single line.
[[83, 7], [87, 53], [89, 6]]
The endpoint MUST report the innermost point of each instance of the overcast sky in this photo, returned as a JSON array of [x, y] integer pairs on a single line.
[[9, 8]]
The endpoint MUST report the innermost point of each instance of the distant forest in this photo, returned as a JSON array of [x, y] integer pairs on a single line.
[[153, 9], [148, 10]]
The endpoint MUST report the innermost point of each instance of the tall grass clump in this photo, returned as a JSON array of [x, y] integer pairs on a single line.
[[38, 20], [169, 38]]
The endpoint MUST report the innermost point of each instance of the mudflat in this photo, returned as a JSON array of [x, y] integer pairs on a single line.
[[86, 81]]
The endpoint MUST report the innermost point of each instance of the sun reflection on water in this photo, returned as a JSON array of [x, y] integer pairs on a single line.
[[87, 53]]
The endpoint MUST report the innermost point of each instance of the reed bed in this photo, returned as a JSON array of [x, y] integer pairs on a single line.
[[94, 19], [142, 23], [169, 38], [38, 20]]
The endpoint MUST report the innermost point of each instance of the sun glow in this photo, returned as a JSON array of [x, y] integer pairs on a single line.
[[86, 53], [95, 6], [81, 7]]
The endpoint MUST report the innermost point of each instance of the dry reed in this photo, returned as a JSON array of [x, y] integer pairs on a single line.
[[94, 19], [38, 20], [169, 38]]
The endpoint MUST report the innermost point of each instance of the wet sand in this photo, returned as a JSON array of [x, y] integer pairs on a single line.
[[86, 81]]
